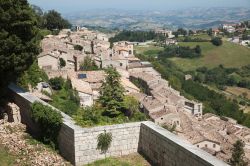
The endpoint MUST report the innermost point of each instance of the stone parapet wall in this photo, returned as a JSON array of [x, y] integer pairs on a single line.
[[66, 136], [125, 138], [78, 145], [163, 148]]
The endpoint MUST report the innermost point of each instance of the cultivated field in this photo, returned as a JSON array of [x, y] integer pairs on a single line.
[[229, 55], [148, 50]]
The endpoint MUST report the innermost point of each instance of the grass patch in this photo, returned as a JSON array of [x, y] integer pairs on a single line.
[[130, 160], [6, 159], [229, 55], [148, 50], [238, 91]]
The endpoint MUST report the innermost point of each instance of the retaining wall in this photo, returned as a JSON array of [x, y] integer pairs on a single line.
[[125, 138], [163, 148], [78, 145]]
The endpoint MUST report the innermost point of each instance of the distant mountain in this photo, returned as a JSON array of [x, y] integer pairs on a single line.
[[193, 18]]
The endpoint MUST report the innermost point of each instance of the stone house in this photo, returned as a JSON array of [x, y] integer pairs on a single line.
[[84, 91], [129, 86], [51, 60], [48, 61], [123, 48], [208, 144], [171, 42], [170, 119], [193, 108]]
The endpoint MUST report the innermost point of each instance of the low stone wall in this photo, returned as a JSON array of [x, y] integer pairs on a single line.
[[163, 148], [125, 138], [78, 145], [24, 100]]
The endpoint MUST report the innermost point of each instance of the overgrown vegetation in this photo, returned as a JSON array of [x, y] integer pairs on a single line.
[[113, 105], [179, 51], [32, 76], [221, 76], [49, 122], [88, 64], [238, 154], [65, 98]]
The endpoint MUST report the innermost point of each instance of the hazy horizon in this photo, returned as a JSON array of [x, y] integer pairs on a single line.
[[65, 6]]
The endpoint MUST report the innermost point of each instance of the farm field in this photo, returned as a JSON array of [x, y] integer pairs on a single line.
[[229, 55], [238, 91]]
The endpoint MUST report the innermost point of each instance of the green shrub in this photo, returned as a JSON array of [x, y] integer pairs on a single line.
[[62, 62], [104, 142], [216, 41], [49, 122], [56, 83], [78, 47]]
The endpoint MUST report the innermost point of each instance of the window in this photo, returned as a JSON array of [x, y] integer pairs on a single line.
[[206, 145], [214, 145], [198, 146], [130, 52], [120, 64], [161, 118]]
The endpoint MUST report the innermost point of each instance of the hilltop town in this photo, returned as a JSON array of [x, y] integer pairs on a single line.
[[149, 92], [164, 105]]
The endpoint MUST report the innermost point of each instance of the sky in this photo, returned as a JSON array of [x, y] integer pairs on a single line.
[[68, 6]]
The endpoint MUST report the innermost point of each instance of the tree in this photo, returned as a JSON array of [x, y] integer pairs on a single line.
[[104, 142], [216, 41], [190, 32], [198, 49], [112, 93], [78, 47], [54, 21], [19, 42], [210, 32], [131, 105], [238, 154], [88, 64], [62, 62], [32, 76]]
